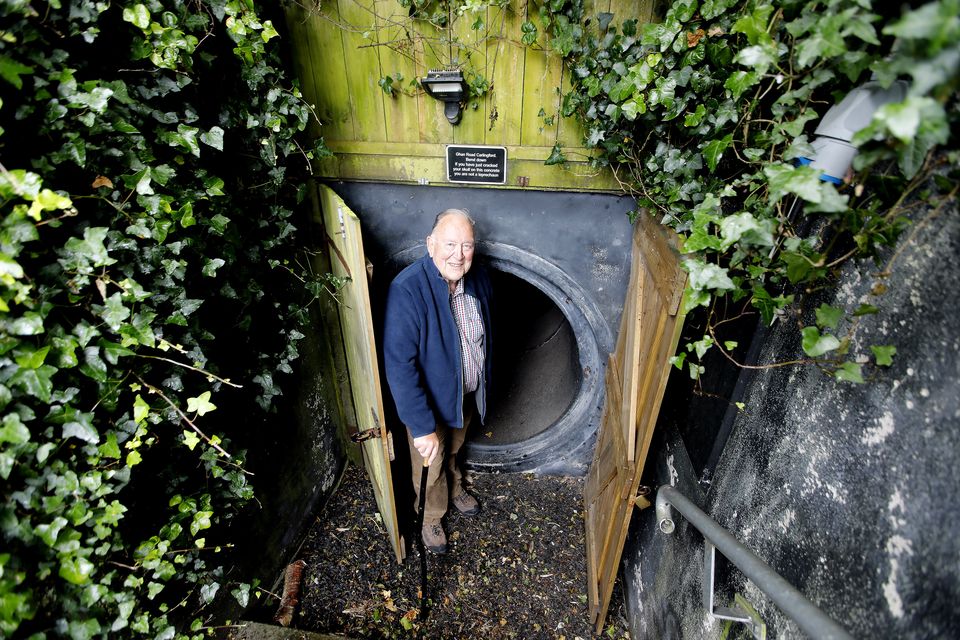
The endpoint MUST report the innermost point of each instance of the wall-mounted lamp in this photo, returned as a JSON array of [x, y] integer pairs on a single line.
[[448, 87]]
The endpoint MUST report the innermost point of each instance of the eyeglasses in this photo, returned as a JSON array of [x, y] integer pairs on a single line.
[[451, 247]]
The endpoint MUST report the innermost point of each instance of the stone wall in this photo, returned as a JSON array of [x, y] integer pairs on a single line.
[[849, 491], [299, 462]]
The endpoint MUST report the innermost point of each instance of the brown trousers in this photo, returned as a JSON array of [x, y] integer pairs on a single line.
[[444, 480]]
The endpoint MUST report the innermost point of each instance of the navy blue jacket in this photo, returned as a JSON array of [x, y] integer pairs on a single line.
[[421, 347]]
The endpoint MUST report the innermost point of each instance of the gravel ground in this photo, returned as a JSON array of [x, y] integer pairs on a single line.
[[515, 571]]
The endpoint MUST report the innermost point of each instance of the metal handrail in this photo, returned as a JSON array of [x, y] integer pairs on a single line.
[[813, 621]]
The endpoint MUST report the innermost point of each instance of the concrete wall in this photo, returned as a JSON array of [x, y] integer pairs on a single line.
[[573, 247], [299, 462], [849, 491]]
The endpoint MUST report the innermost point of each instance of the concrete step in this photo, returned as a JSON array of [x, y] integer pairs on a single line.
[[246, 630]]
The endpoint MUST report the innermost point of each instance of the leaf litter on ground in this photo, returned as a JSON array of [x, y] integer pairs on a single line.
[[517, 570]]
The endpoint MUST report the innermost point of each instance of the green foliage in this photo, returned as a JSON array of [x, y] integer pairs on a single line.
[[153, 145], [437, 25], [705, 113]]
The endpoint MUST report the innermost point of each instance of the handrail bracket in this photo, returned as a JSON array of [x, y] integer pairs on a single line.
[[811, 619], [735, 614]]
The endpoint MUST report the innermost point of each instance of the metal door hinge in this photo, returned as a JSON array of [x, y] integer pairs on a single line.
[[376, 432], [369, 434], [363, 436], [343, 227]]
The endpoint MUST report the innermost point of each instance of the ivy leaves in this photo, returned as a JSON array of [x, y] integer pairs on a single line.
[[200, 405], [131, 253], [710, 112], [815, 345], [165, 44]]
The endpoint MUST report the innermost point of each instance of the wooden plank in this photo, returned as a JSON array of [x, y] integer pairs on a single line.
[[327, 53], [505, 62], [611, 562], [658, 245], [611, 452], [628, 410], [649, 331], [598, 6], [431, 53], [302, 68], [391, 169], [541, 100], [653, 348], [362, 66], [342, 229], [471, 56], [605, 468], [668, 347], [611, 508], [594, 481], [602, 513], [318, 39], [406, 169], [610, 504], [626, 9], [612, 550], [397, 60], [632, 362], [593, 594], [569, 133], [646, 11], [630, 301], [426, 149], [329, 311]]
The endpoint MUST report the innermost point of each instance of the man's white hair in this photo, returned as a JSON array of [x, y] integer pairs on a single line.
[[452, 212]]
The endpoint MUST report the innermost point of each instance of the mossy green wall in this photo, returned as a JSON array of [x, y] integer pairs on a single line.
[[342, 49]]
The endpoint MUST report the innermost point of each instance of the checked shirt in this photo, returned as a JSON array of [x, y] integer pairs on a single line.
[[467, 314]]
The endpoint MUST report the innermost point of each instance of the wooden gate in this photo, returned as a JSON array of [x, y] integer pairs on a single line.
[[347, 261], [637, 374]]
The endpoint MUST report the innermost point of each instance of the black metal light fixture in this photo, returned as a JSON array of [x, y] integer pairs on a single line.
[[450, 88]]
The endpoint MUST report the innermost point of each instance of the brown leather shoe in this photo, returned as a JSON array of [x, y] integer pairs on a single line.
[[434, 539], [466, 504]]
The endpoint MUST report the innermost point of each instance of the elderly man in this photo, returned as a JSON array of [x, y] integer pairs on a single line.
[[436, 354]]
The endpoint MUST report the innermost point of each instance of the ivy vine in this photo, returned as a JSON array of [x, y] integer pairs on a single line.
[[434, 26], [705, 115], [150, 170]]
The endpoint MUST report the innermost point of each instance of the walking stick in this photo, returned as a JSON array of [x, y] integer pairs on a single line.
[[419, 535]]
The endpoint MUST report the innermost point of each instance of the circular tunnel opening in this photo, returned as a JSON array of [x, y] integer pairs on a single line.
[[547, 392], [536, 363]]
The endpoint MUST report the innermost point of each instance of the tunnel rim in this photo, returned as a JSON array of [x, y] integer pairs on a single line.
[[516, 309], [578, 424]]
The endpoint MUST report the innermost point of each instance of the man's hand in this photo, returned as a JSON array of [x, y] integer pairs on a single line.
[[428, 446]]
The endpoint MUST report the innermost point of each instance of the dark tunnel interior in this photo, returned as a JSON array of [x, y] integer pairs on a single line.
[[536, 365]]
